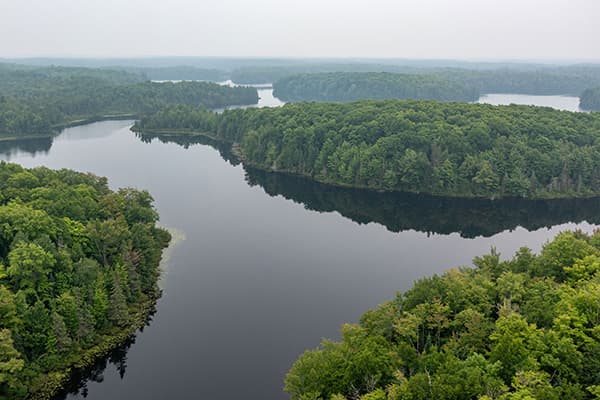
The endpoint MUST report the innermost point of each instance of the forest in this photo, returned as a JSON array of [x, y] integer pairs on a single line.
[[519, 329], [42, 100], [352, 86], [444, 149], [590, 99], [434, 84], [493, 78], [78, 273], [567, 80]]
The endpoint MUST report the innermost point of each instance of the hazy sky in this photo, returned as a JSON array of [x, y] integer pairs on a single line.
[[474, 29]]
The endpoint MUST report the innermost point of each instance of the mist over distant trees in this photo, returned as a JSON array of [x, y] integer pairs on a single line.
[[41, 100], [351, 86]]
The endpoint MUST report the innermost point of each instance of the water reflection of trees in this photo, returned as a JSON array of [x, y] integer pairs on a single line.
[[187, 140], [33, 146], [78, 383], [406, 211]]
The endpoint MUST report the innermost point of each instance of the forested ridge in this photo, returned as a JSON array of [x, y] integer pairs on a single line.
[[521, 329], [590, 99], [351, 86], [40, 100], [448, 149], [78, 270], [434, 84], [521, 79], [567, 80]]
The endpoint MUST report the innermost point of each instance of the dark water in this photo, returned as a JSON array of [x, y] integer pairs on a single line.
[[271, 264]]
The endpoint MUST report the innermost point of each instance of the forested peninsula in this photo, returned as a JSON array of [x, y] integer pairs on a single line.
[[590, 99], [43, 100], [444, 149], [521, 329], [78, 273], [351, 86]]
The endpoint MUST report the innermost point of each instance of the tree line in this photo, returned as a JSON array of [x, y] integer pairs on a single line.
[[77, 264], [178, 73], [351, 86], [520, 79], [446, 149], [525, 328], [40, 100], [590, 99]]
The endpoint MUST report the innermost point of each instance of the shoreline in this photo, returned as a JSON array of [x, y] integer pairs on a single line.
[[57, 129], [50, 384], [236, 151]]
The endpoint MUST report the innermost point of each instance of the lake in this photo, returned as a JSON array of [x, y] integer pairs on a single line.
[[270, 264], [567, 103]]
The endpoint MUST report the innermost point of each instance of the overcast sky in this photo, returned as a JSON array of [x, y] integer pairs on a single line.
[[467, 29]]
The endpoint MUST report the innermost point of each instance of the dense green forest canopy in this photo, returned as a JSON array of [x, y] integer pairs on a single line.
[[76, 262], [590, 99], [521, 329], [352, 86], [449, 149], [38, 100]]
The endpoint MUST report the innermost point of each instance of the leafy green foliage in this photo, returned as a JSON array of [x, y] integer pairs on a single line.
[[449, 149], [473, 333], [72, 256]]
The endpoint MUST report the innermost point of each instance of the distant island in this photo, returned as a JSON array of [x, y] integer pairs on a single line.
[[443, 149], [590, 99], [525, 328], [78, 274], [42, 100]]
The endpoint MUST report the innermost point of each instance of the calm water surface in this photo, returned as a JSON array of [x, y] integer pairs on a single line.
[[567, 103], [271, 264]]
